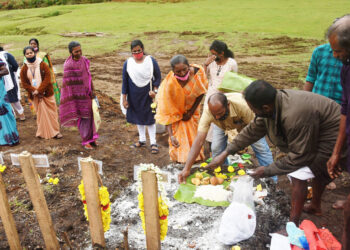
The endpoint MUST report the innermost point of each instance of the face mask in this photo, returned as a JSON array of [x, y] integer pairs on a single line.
[[138, 56], [31, 60], [223, 118], [217, 59], [183, 78], [36, 49]]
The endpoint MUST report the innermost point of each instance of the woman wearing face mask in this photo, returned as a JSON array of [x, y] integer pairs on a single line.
[[33, 42], [36, 80], [8, 129], [141, 79], [178, 100], [216, 65]]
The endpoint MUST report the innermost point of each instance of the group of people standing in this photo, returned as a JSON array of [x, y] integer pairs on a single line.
[[311, 129], [37, 77]]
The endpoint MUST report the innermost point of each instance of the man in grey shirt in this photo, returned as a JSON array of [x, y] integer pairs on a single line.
[[303, 125]]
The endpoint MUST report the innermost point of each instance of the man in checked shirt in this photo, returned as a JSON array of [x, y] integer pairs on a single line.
[[323, 78]]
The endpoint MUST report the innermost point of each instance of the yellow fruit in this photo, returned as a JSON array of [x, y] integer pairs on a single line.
[[199, 176], [231, 169], [196, 181], [204, 164], [217, 170], [259, 187], [241, 172], [213, 181]]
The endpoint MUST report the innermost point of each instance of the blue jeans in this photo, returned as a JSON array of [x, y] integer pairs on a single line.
[[260, 148]]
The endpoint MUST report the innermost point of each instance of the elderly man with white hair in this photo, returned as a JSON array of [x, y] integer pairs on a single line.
[[339, 38]]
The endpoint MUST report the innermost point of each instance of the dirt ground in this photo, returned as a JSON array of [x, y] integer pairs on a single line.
[[116, 136]]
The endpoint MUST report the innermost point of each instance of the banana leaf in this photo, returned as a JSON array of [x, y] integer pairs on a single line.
[[234, 82], [185, 193]]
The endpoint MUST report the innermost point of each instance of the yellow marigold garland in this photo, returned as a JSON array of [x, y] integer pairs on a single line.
[[105, 205], [162, 206], [163, 215]]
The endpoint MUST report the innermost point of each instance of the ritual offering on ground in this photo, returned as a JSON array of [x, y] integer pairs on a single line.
[[209, 187]]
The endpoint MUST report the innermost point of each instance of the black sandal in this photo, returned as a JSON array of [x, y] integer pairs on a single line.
[[154, 149], [138, 144]]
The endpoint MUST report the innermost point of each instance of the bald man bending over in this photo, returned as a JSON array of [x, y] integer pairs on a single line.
[[228, 112]]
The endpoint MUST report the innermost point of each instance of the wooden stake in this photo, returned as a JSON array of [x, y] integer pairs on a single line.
[[150, 198], [7, 219], [90, 181], [38, 199], [126, 242]]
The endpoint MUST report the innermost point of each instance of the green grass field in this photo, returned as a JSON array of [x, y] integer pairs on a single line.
[[122, 21]]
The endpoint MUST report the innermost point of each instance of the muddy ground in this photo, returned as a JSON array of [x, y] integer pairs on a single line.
[[116, 136]]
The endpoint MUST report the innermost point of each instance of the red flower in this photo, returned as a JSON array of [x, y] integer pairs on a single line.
[[163, 217], [84, 201], [105, 207], [240, 165]]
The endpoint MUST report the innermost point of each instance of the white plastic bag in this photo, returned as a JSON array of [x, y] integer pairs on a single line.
[[239, 221]]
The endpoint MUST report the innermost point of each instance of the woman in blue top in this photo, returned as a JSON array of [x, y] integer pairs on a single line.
[[8, 129], [141, 79]]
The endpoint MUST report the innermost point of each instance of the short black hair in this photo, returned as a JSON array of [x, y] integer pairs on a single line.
[[260, 93], [35, 40], [1, 48], [136, 43], [219, 47], [220, 97], [26, 48], [178, 59], [72, 45]]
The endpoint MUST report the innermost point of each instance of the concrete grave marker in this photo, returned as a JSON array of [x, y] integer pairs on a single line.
[[164, 175], [40, 161]]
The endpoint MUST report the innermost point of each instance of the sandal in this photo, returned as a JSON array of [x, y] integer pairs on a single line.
[[88, 146], [154, 149], [58, 136], [138, 144]]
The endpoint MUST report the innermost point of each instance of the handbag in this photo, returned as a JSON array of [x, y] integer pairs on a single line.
[[96, 113]]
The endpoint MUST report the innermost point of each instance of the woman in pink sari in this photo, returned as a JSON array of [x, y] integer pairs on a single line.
[[77, 95]]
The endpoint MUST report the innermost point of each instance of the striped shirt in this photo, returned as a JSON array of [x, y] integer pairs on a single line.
[[324, 73]]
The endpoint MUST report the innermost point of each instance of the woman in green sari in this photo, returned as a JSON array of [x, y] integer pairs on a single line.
[[46, 58]]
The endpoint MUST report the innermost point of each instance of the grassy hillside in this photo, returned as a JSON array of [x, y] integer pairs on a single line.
[[122, 21]]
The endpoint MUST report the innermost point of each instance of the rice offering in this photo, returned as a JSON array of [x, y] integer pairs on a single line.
[[213, 193]]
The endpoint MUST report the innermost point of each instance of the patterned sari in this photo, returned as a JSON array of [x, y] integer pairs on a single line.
[[8, 128], [76, 99], [173, 101], [47, 59]]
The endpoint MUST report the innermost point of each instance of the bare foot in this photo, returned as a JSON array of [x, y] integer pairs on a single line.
[[331, 186], [339, 204], [310, 209]]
